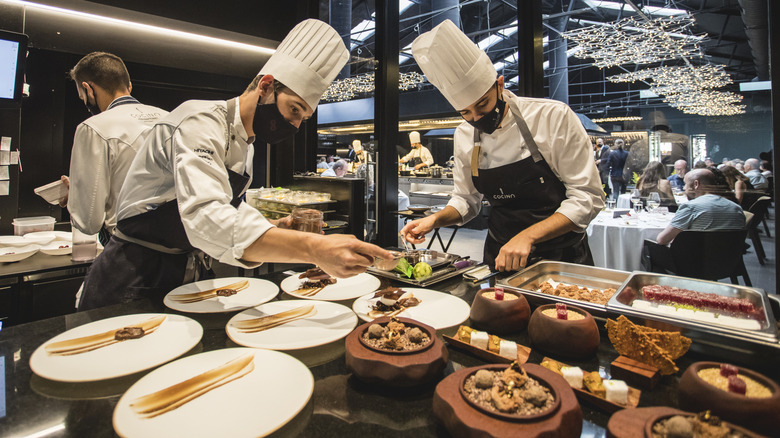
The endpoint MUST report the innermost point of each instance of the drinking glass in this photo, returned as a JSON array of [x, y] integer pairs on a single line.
[[308, 220], [84, 246], [653, 201], [638, 206], [610, 204], [635, 196]]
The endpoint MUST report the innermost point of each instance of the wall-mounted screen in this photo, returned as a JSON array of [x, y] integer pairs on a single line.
[[13, 53]]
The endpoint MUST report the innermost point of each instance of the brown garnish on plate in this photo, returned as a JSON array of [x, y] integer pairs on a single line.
[[647, 345]]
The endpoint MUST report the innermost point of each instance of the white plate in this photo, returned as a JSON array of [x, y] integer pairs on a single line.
[[343, 289], [40, 237], [254, 405], [174, 337], [13, 241], [54, 249], [437, 309], [331, 323], [58, 235], [258, 292], [15, 253]]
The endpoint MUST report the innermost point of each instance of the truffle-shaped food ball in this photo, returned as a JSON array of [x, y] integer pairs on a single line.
[[375, 331], [416, 335], [483, 379], [535, 395], [679, 427]]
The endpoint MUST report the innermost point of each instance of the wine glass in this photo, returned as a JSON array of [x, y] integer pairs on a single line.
[[635, 196], [653, 201]]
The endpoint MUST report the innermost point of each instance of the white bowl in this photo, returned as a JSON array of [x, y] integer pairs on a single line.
[[40, 237], [54, 248], [14, 254], [17, 241]]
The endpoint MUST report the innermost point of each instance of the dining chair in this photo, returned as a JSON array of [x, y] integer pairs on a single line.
[[707, 255], [759, 210]]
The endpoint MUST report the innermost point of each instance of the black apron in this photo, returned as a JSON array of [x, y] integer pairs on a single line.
[[521, 194], [416, 161], [149, 254]]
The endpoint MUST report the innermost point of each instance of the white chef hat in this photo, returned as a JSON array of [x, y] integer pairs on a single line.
[[357, 145], [454, 64], [414, 137], [308, 60]]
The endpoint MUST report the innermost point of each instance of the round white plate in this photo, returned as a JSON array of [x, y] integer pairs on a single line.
[[54, 249], [174, 337], [58, 235], [437, 309], [10, 254], [258, 292], [331, 323], [13, 241], [40, 237], [254, 405], [343, 289]]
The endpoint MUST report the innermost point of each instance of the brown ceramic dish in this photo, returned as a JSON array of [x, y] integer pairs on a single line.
[[562, 337], [511, 417], [759, 414], [660, 417], [500, 316], [410, 324]]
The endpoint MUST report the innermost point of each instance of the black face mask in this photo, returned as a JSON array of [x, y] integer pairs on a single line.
[[490, 121], [93, 108], [270, 126]]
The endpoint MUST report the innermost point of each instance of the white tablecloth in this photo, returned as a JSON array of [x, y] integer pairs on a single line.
[[617, 243], [624, 200]]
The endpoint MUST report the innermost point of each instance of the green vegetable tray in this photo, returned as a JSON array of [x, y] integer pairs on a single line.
[[442, 264]]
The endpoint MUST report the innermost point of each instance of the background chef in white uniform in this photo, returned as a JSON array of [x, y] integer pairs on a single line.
[[360, 153], [419, 156], [530, 158], [181, 197], [105, 144]]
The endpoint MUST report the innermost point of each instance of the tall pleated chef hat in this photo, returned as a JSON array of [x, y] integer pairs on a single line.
[[414, 137], [308, 60], [357, 145], [454, 64]]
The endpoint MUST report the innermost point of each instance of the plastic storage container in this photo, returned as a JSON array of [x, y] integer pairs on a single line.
[[24, 225]]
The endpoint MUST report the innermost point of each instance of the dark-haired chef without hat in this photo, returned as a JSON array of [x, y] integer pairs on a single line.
[[181, 200], [530, 158]]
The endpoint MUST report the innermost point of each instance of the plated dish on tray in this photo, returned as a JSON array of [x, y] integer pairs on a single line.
[[291, 324], [237, 392], [115, 347], [436, 309], [340, 290], [610, 395], [220, 295], [488, 347]]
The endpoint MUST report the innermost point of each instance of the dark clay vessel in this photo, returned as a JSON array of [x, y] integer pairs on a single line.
[[565, 338], [500, 317]]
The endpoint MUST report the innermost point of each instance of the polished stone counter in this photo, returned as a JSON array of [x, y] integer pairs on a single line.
[[340, 406]]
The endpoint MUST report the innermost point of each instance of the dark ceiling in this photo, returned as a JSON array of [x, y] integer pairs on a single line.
[[723, 21]]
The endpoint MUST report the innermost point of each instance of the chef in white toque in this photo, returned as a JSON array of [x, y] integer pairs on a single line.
[[530, 158]]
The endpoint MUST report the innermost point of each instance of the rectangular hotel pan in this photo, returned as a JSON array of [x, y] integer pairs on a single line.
[[708, 335], [527, 281]]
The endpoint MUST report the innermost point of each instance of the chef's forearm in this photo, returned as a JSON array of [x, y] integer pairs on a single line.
[[550, 228], [283, 246], [446, 217]]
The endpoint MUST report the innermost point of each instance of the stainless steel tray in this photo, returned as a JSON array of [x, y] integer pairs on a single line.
[[527, 281], [441, 263], [707, 333]]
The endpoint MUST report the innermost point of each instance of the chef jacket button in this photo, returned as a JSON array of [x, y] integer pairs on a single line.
[[233, 137]]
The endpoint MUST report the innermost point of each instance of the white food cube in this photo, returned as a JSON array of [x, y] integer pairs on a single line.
[[685, 313], [573, 376], [703, 315], [479, 339], [749, 324], [641, 304], [617, 391], [508, 349], [669, 310]]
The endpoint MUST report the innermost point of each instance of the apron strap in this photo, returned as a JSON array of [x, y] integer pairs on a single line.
[[155, 246], [525, 132], [475, 153], [231, 114]]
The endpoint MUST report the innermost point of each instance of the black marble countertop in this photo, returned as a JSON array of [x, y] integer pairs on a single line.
[[38, 263], [340, 406]]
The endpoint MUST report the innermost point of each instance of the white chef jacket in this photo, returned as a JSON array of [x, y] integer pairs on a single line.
[[561, 140], [103, 148], [422, 153], [185, 158]]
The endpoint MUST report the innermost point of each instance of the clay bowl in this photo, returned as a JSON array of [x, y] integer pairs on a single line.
[[759, 414], [660, 417], [500, 317], [377, 366], [511, 417], [410, 324], [571, 339]]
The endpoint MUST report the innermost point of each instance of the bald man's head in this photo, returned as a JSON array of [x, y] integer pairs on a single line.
[[698, 182]]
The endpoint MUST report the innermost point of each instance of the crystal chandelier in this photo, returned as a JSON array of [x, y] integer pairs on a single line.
[[634, 41], [707, 103], [349, 88]]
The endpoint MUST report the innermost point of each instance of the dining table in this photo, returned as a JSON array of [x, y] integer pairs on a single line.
[[341, 404], [624, 200], [616, 236]]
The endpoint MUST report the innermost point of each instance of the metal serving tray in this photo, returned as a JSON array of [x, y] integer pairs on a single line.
[[527, 281], [705, 332], [441, 263]]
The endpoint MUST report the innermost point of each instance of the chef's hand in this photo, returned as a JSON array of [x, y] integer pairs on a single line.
[[64, 199], [285, 222], [514, 255], [416, 230], [420, 166], [343, 255]]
